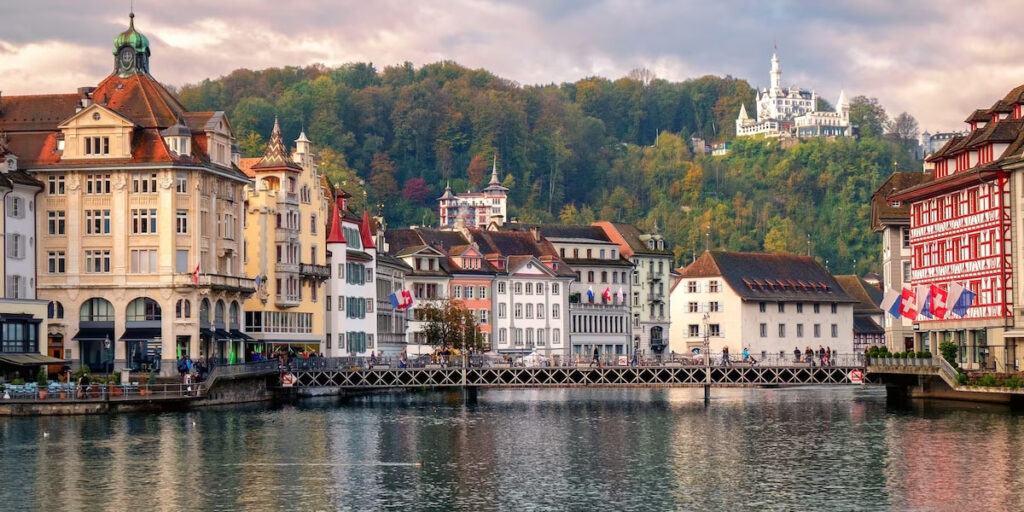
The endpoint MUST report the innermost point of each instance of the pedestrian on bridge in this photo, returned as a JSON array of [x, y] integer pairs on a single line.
[[597, 358], [796, 354], [746, 354], [725, 356]]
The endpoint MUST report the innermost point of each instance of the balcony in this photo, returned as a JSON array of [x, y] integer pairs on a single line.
[[288, 198], [655, 297], [217, 282], [583, 306], [653, 277], [320, 272], [287, 301], [391, 338], [286, 268], [282, 235]]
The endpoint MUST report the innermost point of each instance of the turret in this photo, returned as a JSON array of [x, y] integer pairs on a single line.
[[843, 105], [776, 75]]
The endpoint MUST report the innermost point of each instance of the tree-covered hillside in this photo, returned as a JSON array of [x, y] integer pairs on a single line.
[[592, 149]]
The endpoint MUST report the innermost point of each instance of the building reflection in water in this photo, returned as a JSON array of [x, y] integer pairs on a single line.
[[525, 449]]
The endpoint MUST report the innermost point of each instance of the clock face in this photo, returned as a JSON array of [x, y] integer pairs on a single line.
[[126, 57]]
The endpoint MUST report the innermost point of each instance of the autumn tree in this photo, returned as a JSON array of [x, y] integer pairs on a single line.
[[904, 131], [448, 324]]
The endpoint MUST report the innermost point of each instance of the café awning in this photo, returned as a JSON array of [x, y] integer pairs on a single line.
[[94, 334], [141, 334], [239, 335], [30, 359]]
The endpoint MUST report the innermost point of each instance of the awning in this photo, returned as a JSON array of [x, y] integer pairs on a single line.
[[141, 334], [206, 332], [30, 359], [94, 334], [239, 335], [221, 334]]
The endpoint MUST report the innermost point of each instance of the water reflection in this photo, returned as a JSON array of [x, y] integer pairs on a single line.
[[808, 449]]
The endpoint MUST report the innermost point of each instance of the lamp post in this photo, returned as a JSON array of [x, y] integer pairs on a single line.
[[106, 349], [707, 361]]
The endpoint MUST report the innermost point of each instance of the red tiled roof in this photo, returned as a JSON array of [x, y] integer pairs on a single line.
[[245, 164], [140, 98]]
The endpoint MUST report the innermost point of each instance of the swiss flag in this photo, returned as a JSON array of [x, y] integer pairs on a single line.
[[939, 302], [908, 304], [406, 299], [195, 274]]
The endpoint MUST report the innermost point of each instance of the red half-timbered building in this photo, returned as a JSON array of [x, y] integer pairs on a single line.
[[961, 230]]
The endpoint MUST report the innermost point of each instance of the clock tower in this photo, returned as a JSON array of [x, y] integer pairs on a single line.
[[131, 51]]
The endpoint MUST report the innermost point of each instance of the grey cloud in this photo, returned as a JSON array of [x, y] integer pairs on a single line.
[[922, 56]]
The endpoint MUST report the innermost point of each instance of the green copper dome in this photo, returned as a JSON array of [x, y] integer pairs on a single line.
[[131, 37]]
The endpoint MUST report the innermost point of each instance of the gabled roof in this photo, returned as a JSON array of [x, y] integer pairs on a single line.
[[769, 277], [868, 297], [882, 211], [562, 231], [140, 98], [515, 263], [979, 115], [630, 239]]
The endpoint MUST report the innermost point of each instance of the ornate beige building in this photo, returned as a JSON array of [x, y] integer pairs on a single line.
[[140, 239], [285, 245]]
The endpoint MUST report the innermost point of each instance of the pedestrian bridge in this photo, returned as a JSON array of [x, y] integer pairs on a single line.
[[666, 375]]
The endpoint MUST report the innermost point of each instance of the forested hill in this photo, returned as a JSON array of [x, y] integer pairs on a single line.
[[592, 149]]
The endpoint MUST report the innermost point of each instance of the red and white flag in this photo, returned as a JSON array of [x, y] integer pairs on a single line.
[[195, 274], [939, 302], [406, 299], [908, 304]]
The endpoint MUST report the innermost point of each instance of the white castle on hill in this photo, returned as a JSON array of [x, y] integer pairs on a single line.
[[793, 111]]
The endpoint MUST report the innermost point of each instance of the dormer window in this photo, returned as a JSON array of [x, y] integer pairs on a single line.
[[97, 145], [178, 139], [10, 162]]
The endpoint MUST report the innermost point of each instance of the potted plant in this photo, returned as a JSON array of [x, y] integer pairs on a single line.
[[144, 383], [114, 384], [43, 382]]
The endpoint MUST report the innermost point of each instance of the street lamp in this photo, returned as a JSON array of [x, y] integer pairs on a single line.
[[106, 348], [707, 361]]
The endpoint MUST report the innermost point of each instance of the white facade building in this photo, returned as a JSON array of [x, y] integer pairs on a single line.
[[767, 303], [792, 111], [352, 293], [487, 207]]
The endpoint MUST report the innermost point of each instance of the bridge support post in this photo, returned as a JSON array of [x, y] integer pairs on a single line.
[[469, 394], [707, 394]]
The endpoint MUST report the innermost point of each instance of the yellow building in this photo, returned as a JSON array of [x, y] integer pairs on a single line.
[[140, 219], [285, 246]]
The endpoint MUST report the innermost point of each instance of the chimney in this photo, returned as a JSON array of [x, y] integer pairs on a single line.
[[86, 97], [535, 230]]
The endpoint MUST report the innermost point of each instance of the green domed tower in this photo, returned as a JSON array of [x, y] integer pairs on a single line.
[[131, 51]]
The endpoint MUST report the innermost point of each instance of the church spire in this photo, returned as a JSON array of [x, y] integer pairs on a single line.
[[274, 156], [494, 171], [776, 74]]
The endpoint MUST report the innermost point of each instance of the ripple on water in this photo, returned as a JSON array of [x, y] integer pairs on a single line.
[[561, 449]]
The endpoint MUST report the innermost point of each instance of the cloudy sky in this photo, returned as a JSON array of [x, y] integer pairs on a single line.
[[937, 59]]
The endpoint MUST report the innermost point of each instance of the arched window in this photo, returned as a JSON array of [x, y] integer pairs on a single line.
[[204, 313], [143, 309], [183, 309], [218, 314], [55, 310], [233, 315], [96, 310]]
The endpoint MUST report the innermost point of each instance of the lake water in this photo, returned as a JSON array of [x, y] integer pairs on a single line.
[[562, 449]]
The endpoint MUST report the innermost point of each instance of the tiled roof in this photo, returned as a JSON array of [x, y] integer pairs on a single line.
[[629, 239], [276, 155], [245, 165], [36, 112], [140, 98], [597, 262], [594, 233], [868, 296], [979, 115], [882, 211], [864, 324], [387, 259], [769, 277]]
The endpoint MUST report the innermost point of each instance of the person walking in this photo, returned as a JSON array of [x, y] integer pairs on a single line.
[[796, 354], [809, 355], [746, 354], [597, 358], [725, 356], [821, 355]]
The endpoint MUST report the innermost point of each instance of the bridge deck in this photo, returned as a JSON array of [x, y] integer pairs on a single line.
[[612, 376]]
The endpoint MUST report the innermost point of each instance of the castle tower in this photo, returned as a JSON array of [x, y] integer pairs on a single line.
[[843, 105], [776, 75]]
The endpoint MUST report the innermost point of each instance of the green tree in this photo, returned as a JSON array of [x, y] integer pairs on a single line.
[[869, 115]]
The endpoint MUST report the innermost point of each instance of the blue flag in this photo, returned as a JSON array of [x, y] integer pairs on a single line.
[[590, 295], [394, 300]]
